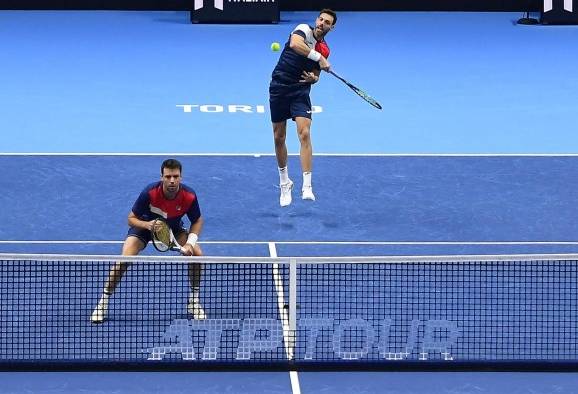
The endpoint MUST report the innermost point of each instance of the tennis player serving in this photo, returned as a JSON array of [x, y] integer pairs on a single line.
[[168, 200], [304, 56]]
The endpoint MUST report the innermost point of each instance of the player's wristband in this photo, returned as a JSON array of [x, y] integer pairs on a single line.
[[314, 55], [192, 239]]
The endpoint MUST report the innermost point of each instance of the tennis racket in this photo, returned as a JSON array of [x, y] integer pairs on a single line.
[[359, 92], [163, 238]]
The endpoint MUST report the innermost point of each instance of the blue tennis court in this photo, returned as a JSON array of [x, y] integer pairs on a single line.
[[474, 153]]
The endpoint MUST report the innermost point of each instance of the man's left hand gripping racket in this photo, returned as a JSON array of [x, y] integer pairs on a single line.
[[163, 238]]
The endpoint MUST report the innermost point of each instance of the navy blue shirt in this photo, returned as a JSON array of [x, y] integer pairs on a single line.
[[287, 73]]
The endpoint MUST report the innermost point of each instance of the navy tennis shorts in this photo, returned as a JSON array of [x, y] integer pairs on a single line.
[[145, 235], [288, 107]]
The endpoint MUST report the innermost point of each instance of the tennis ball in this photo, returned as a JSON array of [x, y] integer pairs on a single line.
[[275, 47]]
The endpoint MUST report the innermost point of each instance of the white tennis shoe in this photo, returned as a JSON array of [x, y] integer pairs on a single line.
[[100, 312], [307, 193], [285, 197], [196, 310]]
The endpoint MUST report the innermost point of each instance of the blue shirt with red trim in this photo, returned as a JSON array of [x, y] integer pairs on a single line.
[[287, 73], [152, 204]]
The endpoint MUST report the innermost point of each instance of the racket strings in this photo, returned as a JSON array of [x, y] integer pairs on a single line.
[[367, 98], [359, 92], [162, 233]]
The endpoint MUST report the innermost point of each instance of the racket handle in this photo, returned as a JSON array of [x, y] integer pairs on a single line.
[[335, 75]]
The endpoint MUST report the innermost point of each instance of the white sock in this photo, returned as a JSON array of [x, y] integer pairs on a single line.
[[283, 175], [194, 297], [306, 179], [105, 297]]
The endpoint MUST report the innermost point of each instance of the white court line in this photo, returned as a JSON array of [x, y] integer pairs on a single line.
[[295, 154], [377, 243], [295, 382], [284, 314]]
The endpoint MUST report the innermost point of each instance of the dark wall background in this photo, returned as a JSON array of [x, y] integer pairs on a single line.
[[286, 5]]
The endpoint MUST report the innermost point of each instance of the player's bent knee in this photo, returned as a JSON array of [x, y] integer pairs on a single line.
[[279, 140], [304, 135], [279, 136], [279, 128]]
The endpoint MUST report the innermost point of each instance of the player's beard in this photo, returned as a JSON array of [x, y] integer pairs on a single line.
[[171, 191]]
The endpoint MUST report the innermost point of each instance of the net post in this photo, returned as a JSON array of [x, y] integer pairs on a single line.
[[293, 303]]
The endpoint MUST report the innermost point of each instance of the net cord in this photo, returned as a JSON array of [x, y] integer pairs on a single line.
[[512, 258]]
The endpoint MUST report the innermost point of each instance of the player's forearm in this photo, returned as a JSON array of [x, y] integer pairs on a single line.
[[194, 232], [197, 227], [134, 221], [297, 43], [299, 46]]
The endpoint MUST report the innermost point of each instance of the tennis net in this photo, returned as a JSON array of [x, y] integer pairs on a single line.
[[300, 312]]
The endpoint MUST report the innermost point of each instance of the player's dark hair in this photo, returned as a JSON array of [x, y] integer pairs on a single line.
[[171, 164], [329, 12]]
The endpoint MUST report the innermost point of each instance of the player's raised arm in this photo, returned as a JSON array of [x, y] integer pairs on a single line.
[[297, 43]]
